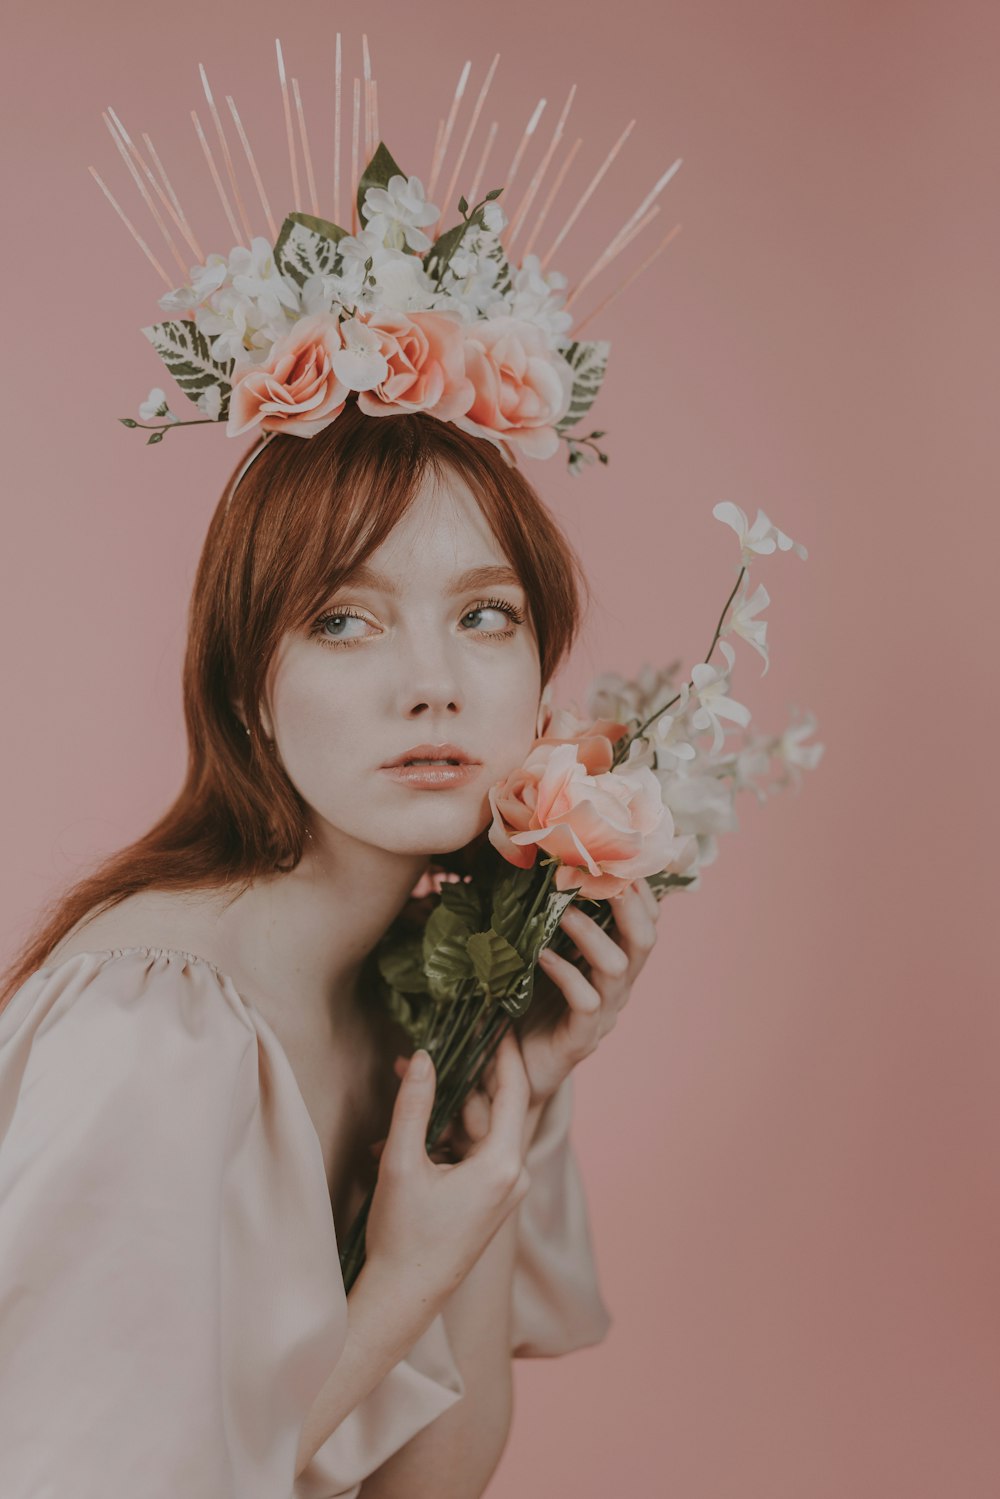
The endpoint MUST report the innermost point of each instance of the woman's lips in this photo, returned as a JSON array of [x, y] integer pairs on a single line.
[[432, 777]]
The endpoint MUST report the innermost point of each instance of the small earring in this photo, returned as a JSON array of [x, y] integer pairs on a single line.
[[248, 731]]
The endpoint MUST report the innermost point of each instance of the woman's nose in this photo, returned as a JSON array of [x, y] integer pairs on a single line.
[[431, 683]]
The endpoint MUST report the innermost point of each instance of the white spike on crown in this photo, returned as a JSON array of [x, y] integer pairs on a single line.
[[395, 311]]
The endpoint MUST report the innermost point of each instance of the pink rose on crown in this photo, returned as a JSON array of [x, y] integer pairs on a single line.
[[424, 354], [605, 827], [296, 388], [523, 387]]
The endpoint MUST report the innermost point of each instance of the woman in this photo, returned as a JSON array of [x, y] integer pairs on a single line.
[[191, 1068]]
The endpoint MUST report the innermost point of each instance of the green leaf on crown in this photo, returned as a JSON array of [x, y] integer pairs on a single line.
[[589, 362], [437, 258], [376, 174], [446, 953], [306, 247], [185, 351]]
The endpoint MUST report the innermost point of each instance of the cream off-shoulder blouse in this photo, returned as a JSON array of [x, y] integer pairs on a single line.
[[171, 1299]]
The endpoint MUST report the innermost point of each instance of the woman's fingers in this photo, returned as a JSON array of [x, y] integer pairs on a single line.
[[649, 900], [601, 951], [411, 1114], [577, 990], [509, 1102], [635, 926]]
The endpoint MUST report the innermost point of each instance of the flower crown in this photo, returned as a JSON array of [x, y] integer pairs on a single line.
[[278, 335]]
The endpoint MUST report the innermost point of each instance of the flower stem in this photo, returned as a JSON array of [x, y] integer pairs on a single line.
[[625, 743]]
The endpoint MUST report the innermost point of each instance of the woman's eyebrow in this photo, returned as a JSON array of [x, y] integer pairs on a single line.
[[490, 575]]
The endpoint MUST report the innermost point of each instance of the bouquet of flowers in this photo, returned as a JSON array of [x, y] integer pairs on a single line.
[[639, 787]]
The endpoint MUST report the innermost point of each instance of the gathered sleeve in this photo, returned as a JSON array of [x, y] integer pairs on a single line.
[[556, 1296], [160, 1333]]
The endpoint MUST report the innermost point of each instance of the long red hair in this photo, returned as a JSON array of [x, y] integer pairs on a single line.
[[304, 515]]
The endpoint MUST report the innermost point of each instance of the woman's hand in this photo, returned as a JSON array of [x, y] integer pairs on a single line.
[[594, 999], [430, 1221], [593, 1002]]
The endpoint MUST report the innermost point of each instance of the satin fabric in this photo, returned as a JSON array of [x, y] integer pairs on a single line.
[[170, 1293]]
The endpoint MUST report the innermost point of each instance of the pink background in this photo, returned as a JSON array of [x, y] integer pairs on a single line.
[[790, 1142]]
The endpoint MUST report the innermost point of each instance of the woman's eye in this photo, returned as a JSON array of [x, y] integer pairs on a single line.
[[502, 616], [334, 628]]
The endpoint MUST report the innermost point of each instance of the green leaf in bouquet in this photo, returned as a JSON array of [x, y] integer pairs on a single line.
[[465, 900], [376, 174], [658, 882], [498, 965], [446, 953], [413, 1017], [588, 362], [306, 246], [517, 1000], [401, 964], [185, 351], [511, 891], [556, 904]]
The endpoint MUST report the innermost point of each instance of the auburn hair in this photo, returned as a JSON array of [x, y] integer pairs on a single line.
[[302, 517]]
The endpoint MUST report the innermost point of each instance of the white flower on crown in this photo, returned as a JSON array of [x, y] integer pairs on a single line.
[[155, 405], [209, 403], [241, 303], [494, 217], [468, 286], [537, 298], [239, 327], [398, 213]]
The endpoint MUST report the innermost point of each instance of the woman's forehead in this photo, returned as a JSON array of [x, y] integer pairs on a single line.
[[443, 532]]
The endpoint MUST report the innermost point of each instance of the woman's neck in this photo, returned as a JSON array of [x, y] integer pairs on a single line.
[[316, 925]]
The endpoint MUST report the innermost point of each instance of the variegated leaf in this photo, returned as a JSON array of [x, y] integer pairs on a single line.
[[306, 247], [589, 362], [184, 349]]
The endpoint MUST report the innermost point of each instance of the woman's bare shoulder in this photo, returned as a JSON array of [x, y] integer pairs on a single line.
[[186, 921]]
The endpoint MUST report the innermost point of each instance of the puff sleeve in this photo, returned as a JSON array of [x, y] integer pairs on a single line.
[[556, 1296], [161, 1333]]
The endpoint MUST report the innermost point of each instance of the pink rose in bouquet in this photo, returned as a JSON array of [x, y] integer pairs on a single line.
[[605, 827], [595, 738], [425, 353], [296, 388], [523, 387]]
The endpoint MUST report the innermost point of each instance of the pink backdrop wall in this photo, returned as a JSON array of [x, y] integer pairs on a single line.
[[790, 1142]]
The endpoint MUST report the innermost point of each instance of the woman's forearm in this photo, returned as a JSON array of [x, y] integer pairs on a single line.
[[379, 1334], [455, 1456]]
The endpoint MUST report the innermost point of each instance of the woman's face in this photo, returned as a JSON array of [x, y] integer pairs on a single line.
[[413, 651]]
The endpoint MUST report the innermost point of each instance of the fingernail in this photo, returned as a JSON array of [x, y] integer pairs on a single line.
[[544, 955], [420, 1065]]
